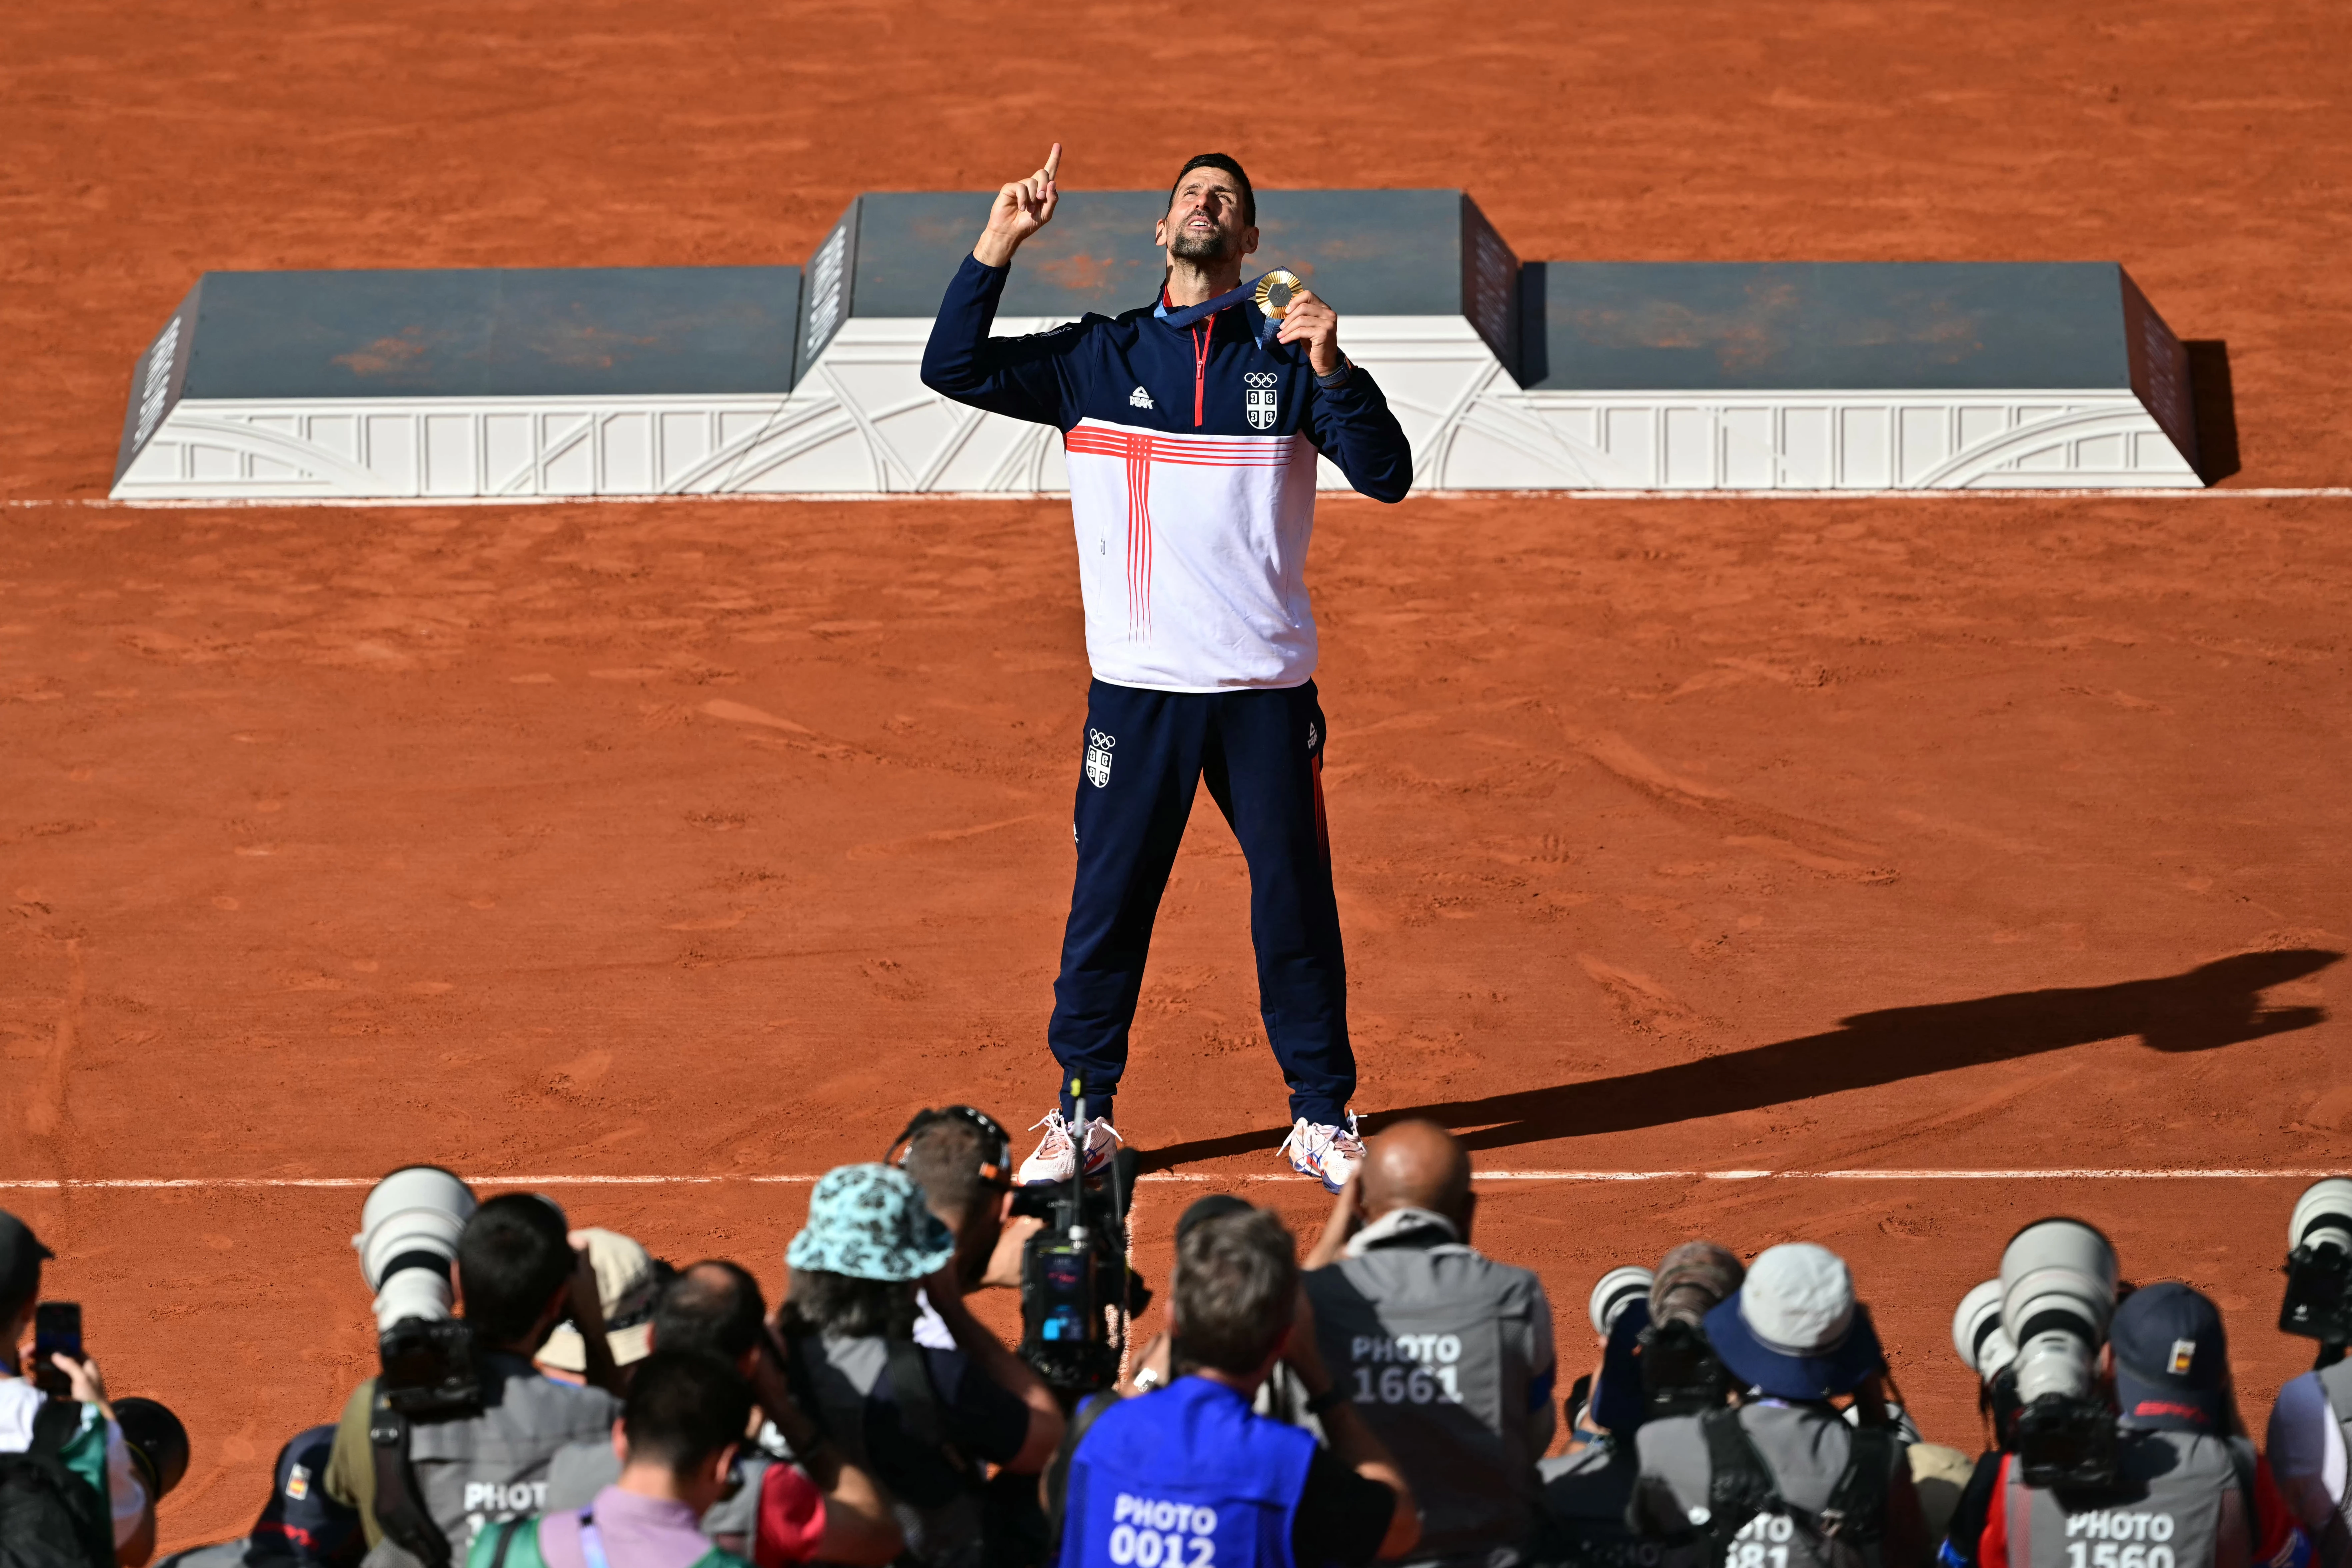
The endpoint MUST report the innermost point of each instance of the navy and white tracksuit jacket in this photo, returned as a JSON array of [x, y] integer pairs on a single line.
[[1191, 457]]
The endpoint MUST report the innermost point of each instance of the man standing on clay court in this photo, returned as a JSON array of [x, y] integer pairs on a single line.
[[1192, 426]]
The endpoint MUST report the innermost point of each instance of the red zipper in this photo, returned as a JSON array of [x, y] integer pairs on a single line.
[[1201, 336]]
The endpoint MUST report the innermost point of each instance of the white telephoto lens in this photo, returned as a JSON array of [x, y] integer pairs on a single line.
[[2323, 1217], [2057, 1292], [1619, 1288], [1984, 1345], [414, 1214]]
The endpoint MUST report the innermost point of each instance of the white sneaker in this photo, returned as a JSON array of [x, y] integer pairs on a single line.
[[1056, 1159], [1330, 1155]]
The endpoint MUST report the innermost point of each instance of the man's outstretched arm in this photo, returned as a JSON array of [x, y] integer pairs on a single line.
[[1016, 376]]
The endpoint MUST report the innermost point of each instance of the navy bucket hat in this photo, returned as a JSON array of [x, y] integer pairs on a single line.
[[1794, 1330]]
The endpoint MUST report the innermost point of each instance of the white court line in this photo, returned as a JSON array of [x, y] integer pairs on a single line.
[[370, 503], [2061, 1174]]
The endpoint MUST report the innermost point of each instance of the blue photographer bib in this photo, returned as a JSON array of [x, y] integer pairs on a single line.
[[1185, 1478]]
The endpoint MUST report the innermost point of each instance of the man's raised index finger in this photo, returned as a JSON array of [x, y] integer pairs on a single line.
[[1054, 161]]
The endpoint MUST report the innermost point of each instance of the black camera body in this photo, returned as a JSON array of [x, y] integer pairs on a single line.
[[1681, 1373], [2318, 1304], [430, 1372], [2065, 1443], [1072, 1271]]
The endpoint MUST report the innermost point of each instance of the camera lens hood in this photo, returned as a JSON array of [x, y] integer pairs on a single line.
[[1619, 1288], [2323, 1215], [408, 1238], [2057, 1293], [1983, 1344]]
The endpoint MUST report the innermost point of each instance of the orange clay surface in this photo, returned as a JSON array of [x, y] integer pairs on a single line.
[[708, 839]]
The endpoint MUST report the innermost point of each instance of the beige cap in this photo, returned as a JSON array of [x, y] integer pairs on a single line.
[[626, 1284]]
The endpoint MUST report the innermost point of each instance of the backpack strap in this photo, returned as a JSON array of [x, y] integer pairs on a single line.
[[2242, 1461], [838, 1411], [398, 1509], [1855, 1513], [1740, 1484], [1058, 1474], [910, 1388], [56, 1425]]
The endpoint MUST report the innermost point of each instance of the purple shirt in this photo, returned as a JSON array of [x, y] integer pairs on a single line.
[[637, 1533]]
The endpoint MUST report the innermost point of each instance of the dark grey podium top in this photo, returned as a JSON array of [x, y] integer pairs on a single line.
[[1380, 253], [491, 333], [1720, 326]]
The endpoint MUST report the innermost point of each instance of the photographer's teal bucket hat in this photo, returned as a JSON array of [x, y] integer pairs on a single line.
[[868, 1221]]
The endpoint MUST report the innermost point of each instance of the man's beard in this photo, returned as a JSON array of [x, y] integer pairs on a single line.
[[1191, 245]]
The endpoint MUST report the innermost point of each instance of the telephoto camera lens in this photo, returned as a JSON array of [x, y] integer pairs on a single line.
[[157, 1440], [1984, 1345], [407, 1240], [2318, 1302], [1619, 1288], [2057, 1294]]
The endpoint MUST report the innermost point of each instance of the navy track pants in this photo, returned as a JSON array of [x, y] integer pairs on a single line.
[[1261, 753]]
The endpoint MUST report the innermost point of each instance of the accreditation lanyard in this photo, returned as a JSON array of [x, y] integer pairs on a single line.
[[592, 1543]]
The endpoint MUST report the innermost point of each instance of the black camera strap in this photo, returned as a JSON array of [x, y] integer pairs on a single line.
[[398, 1508], [1740, 1485]]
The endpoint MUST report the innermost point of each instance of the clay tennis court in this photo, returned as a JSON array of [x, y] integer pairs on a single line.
[[705, 840]]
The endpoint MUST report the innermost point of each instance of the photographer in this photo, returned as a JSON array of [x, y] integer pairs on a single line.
[[1193, 1470], [677, 1441], [2308, 1442], [69, 1483], [1585, 1492], [515, 1276], [1446, 1354], [959, 1157], [820, 1508], [1781, 1475], [2313, 1417], [2185, 1485], [300, 1526], [921, 1420]]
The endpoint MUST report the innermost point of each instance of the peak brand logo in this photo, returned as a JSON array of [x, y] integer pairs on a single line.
[[1140, 398], [1258, 401]]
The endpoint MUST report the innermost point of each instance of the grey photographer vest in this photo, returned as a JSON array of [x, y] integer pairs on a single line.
[[939, 1515], [2166, 1510], [2336, 1382], [1805, 1448], [480, 1469], [1429, 1340]]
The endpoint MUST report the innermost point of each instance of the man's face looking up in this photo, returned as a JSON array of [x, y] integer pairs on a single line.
[[1204, 225]]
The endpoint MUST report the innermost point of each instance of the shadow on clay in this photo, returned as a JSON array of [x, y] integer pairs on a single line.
[[2213, 1005]]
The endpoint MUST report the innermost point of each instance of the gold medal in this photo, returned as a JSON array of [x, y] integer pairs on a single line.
[[1277, 289]]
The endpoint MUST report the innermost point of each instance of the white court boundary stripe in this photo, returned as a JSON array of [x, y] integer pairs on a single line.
[[2061, 1173], [370, 503]]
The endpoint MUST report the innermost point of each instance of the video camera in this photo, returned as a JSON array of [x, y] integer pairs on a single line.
[[1073, 1271], [2057, 1294], [2318, 1303], [408, 1238]]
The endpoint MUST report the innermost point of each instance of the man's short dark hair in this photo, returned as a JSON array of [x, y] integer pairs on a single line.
[[1231, 166], [944, 1159], [714, 1307], [513, 1256], [1236, 1290], [684, 1406]]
